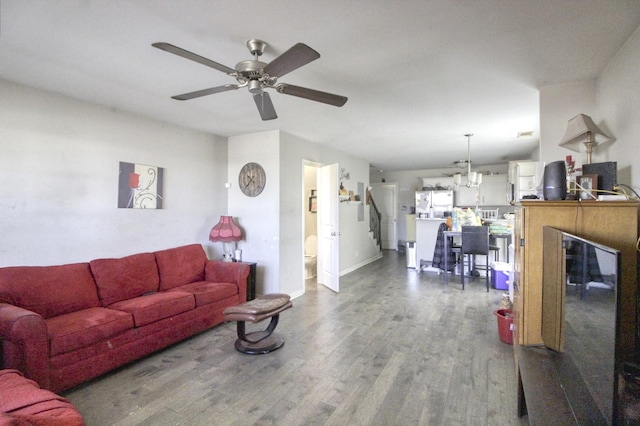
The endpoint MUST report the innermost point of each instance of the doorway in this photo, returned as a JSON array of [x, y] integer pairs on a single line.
[[320, 212], [310, 221]]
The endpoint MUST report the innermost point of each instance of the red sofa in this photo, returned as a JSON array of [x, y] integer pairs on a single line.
[[23, 403], [63, 325]]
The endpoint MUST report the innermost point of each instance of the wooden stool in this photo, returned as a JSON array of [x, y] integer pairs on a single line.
[[256, 310]]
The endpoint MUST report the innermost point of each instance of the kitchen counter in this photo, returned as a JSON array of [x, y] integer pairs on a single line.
[[426, 235]]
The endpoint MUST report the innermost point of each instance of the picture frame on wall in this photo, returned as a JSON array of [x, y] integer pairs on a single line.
[[140, 186], [587, 187]]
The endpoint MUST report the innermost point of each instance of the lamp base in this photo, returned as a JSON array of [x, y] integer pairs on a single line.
[[228, 248], [589, 144]]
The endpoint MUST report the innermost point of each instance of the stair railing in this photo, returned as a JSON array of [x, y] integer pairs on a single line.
[[375, 221]]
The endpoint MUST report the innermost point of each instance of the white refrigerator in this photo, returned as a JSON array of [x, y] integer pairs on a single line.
[[434, 204]]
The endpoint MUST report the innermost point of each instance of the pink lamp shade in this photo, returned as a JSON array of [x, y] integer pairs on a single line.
[[225, 231]]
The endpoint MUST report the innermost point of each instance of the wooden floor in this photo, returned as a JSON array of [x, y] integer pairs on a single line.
[[394, 347]]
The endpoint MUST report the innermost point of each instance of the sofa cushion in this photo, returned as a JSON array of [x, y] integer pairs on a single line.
[[85, 327], [181, 265], [49, 290], [126, 277], [207, 292], [154, 307], [22, 402]]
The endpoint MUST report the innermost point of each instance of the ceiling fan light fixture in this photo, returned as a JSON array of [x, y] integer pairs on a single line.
[[255, 87]]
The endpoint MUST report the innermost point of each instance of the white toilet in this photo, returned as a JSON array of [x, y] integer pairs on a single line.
[[310, 256]]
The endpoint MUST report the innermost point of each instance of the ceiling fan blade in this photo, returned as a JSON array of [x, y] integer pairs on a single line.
[[298, 55], [192, 56], [265, 106], [205, 92], [314, 95]]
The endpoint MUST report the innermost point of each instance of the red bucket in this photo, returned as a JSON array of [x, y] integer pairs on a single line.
[[505, 325]]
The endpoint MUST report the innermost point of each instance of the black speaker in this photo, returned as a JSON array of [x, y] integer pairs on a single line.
[[555, 181]]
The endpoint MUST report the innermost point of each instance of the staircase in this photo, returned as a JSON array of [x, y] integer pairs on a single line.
[[375, 218]]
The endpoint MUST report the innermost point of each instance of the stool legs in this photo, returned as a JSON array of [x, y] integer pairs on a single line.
[[259, 342]]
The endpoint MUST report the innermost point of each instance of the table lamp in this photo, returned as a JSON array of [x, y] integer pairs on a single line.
[[228, 233], [582, 131]]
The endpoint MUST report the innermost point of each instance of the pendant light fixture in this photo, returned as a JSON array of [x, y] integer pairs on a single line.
[[473, 179]]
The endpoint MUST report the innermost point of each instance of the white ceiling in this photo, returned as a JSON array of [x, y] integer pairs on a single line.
[[419, 74]]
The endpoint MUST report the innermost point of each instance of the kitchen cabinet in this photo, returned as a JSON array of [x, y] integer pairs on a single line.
[[442, 182], [611, 223], [494, 190], [466, 197]]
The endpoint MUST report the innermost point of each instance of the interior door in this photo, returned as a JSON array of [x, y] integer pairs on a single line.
[[385, 196], [328, 229]]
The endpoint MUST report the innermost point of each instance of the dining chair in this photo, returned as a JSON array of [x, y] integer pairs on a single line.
[[475, 242]]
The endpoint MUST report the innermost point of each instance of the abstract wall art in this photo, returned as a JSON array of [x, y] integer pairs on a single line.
[[139, 186]]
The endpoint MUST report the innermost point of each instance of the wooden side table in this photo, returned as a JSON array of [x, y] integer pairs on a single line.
[[251, 281]]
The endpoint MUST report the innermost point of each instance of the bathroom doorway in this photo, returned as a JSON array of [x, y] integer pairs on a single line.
[[310, 225]]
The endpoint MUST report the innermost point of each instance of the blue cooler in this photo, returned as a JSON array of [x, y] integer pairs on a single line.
[[500, 275]]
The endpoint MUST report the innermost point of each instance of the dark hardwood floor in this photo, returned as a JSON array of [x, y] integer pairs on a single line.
[[394, 347]]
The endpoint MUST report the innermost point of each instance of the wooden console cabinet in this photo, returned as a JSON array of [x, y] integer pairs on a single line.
[[611, 223]]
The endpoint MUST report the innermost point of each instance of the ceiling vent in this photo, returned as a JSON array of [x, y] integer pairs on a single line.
[[525, 134]]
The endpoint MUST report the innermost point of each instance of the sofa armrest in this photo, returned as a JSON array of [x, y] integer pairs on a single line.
[[25, 343], [229, 272]]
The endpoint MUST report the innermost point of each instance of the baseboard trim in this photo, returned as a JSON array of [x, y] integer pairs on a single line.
[[361, 264]]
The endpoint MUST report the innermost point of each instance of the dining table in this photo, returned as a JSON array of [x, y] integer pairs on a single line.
[[448, 244]]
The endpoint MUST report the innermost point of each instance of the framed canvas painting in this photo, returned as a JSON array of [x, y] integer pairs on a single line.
[[139, 186]]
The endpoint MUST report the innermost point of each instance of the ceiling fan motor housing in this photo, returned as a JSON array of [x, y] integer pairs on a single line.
[[251, 72]]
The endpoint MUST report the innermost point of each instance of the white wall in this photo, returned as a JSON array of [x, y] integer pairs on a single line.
[[258, 216], [356, 245], [613, 101], [619, 106], [59, 172], [356, 248], [273, 221], [558, 104]]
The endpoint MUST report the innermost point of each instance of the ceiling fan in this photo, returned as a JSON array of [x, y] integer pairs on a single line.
[[258, 76]]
